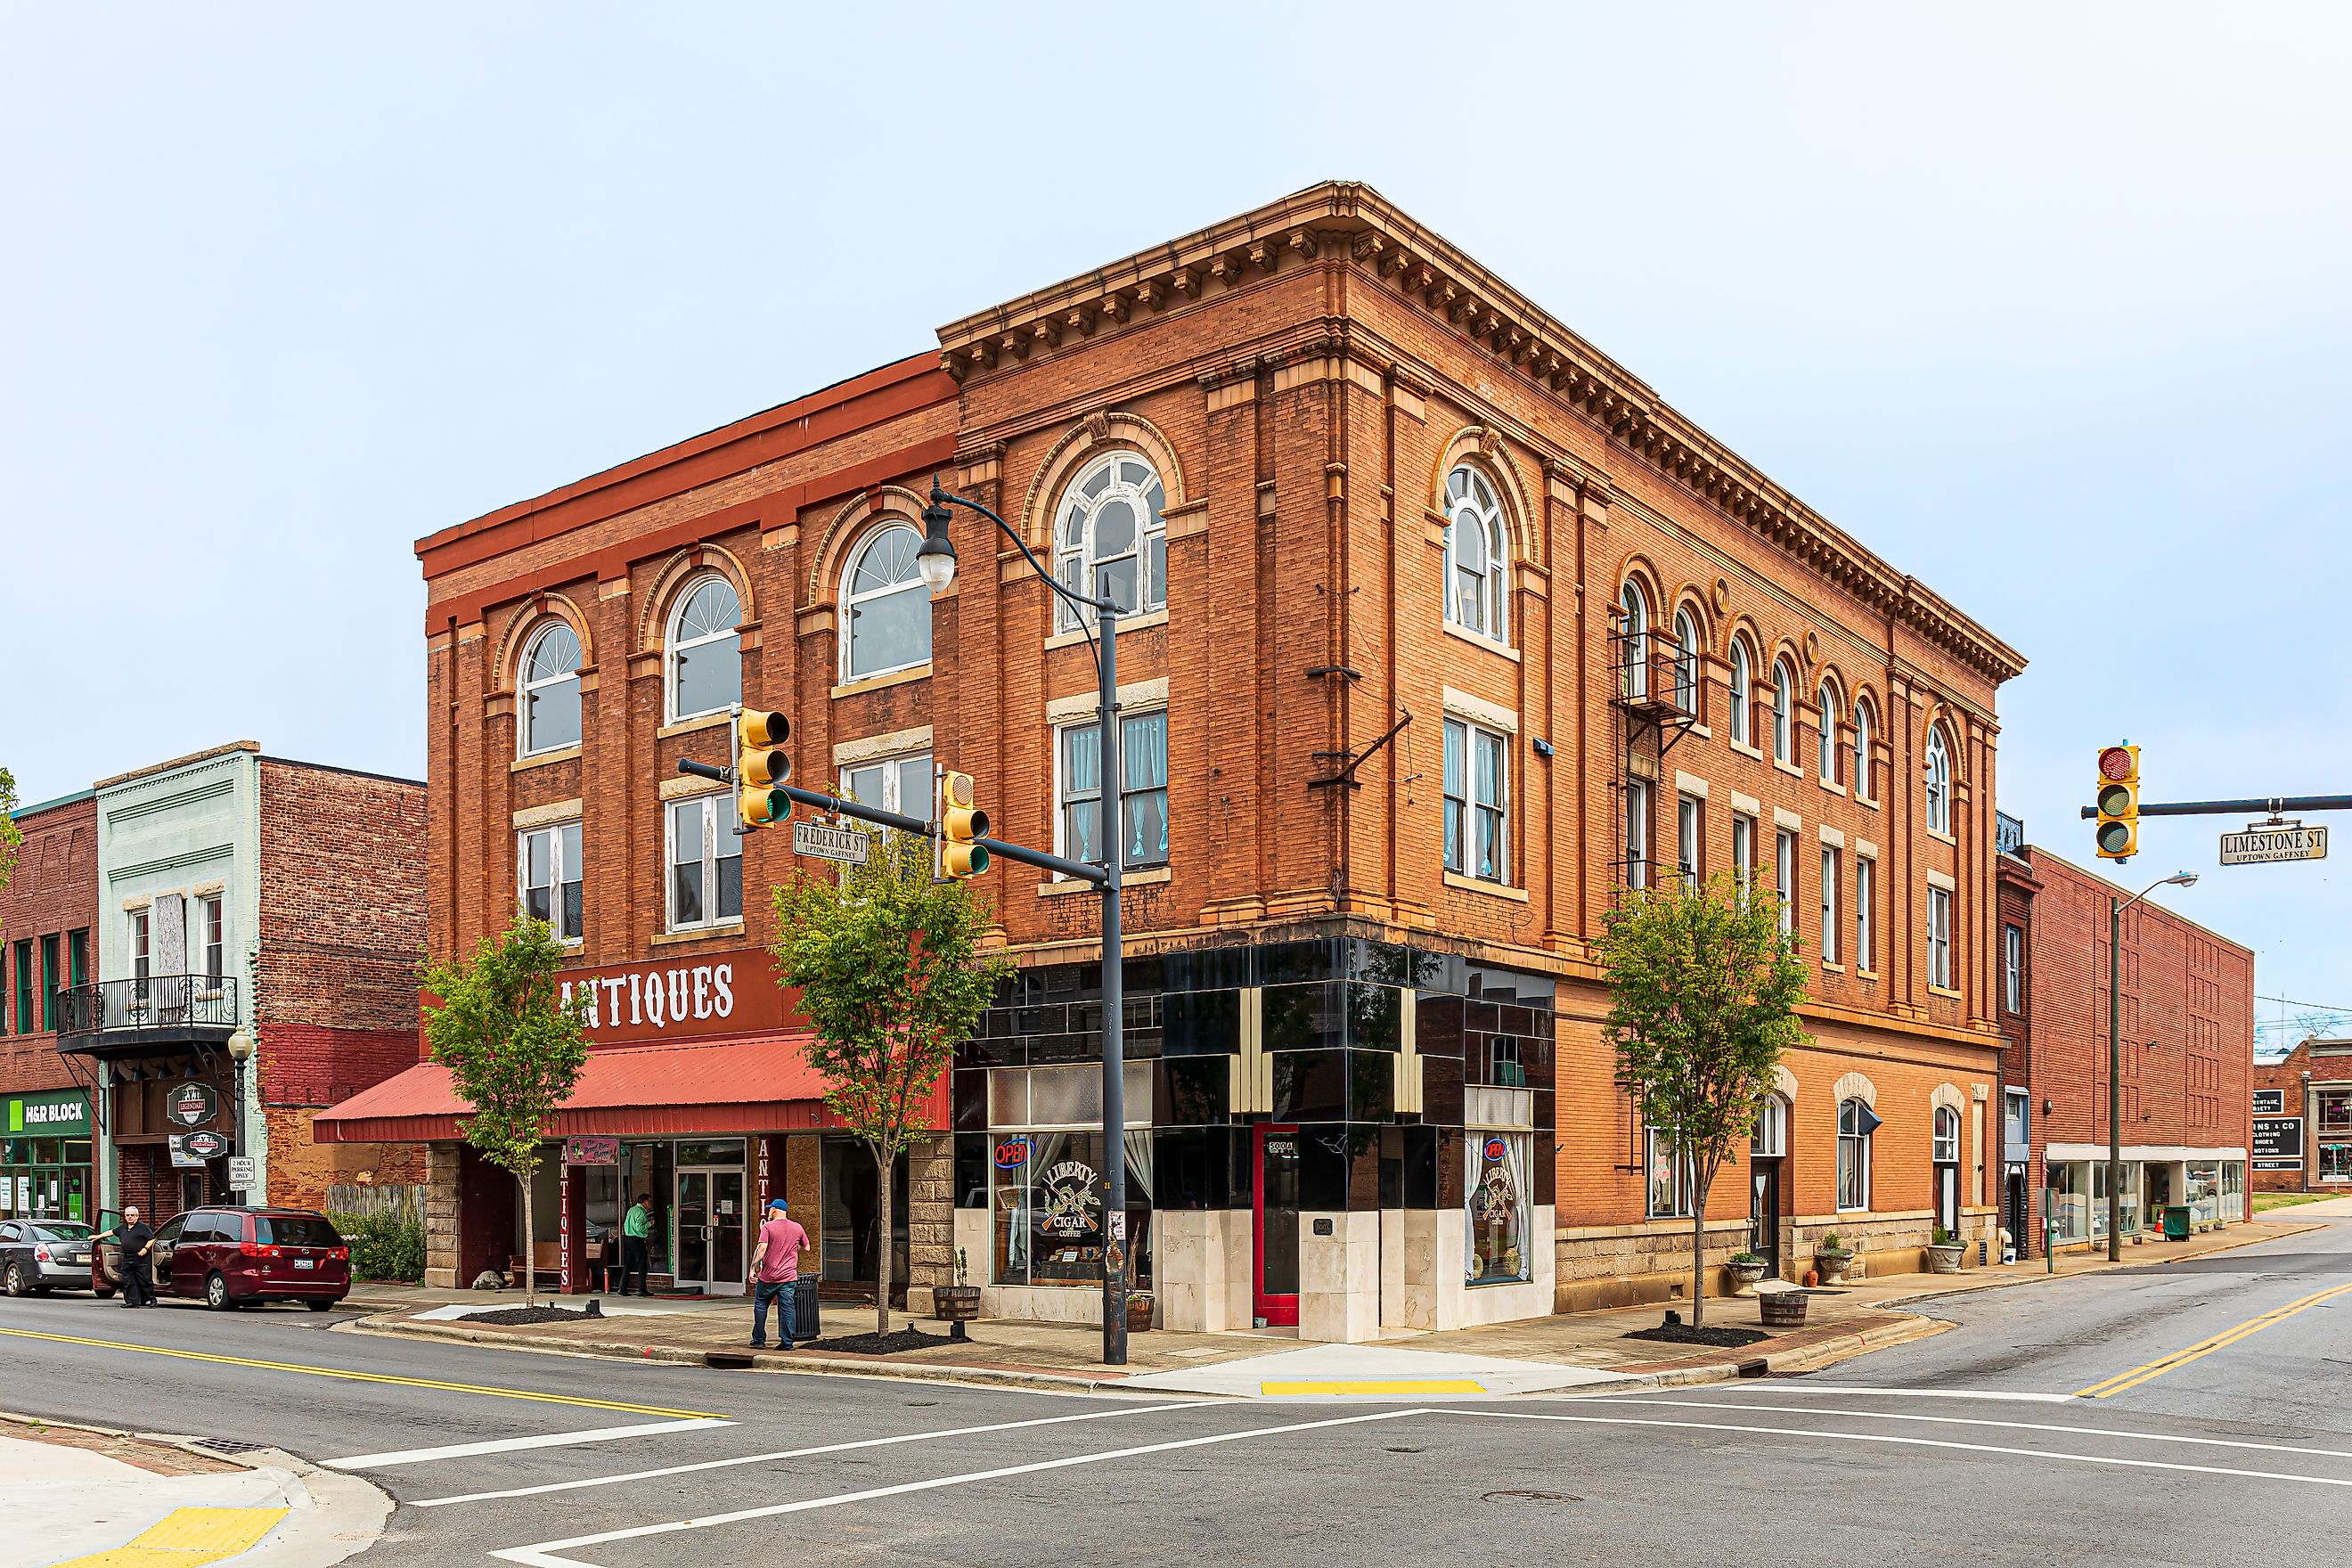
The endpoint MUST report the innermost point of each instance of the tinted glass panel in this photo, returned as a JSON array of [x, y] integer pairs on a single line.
[[296, 1230]]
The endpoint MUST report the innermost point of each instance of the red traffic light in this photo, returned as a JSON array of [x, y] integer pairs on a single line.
[[2117, 763]]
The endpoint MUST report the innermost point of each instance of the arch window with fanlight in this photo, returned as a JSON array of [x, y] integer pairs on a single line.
[[1828, 749], [1687, 656], [886, 606], [1784, 712], [706, 659], [1861, 749], [1109, 539], [1939, 782], [1742, 701], [1477, 560], [549, 690]]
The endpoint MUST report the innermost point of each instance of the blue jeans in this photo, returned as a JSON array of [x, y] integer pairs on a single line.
[[781, 1293]]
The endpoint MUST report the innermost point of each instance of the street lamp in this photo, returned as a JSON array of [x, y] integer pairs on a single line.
[[936, 560], [241, 1051], [2116, 908]]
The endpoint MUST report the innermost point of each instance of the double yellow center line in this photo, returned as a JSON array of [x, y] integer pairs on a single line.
[[2205, 1347]]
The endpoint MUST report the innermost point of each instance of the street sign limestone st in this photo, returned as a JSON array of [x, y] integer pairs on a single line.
[[826, 842], [2260, 845]]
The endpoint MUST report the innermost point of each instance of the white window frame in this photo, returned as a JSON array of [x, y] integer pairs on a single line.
[[1784, 874], [212, 929], [1690, 824], [1769, 1138], [1637, 833], [1861, 750], [892, 792], [2016, 1109], [1684, 1173], [712, 805], [677, 644], [1939, 782], [1743, 855], [1784, 712], [1944, 1147], [1853, 1147], [1634, 603], [1743, 694], [1826, 746], [1473, 499], [143, 948], [1467, 809], [1075, 560], [2013, 967], [560, 870], [851, 599], [1832, 906], [1686, 658], [1939, 938], [1063, 800], [1865, 894], [526, 688]]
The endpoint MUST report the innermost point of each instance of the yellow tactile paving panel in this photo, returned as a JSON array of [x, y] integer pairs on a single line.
[[186, 1537]]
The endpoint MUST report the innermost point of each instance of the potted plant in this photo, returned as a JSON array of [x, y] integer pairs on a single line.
[[959, 1303], [1744, 1268], [1944, 1252], [1832, 1257]]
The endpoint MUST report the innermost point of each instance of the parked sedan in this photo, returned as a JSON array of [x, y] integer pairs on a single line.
[[38, 1256]]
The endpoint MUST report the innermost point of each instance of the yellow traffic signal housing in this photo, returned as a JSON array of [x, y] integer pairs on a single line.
[[760, 765], [2117, 835], [961, 824]]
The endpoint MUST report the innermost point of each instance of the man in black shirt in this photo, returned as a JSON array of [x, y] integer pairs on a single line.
[[136, 1238]]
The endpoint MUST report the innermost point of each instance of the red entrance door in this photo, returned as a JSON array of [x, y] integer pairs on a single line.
[[1276, 1290]]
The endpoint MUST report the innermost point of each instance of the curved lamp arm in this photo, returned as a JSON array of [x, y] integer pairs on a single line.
[[935, 545]]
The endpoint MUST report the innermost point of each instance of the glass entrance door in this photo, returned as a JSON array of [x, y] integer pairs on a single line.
[[1275, 1288], [709, 1216]]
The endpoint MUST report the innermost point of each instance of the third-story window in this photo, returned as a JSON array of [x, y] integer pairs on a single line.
[[1784, 712], [1476, 559], [706, 862], [1743, 856], [1635, 649], [1475, 781], [2012, 968], [1637, 834], [548, 863], [891, 783], [209, 932], [1143, 802], [1687, 838], [1784, 873], [550, 690], [26, 1022], [1110, 540], [1830, 922], [1742, 698], [1939, 782], [1861, 750], [705, 660], [1939, 937], [1687, 656], [141, 953], [886, 606], [1865, 891]]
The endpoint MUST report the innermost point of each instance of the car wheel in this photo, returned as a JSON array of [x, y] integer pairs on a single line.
[[320, 1306], [216, 1293], [15, 1282]]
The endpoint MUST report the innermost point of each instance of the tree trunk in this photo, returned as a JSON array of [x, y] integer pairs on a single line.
[[530, 1252], [882, 1247], [1698, 1251]]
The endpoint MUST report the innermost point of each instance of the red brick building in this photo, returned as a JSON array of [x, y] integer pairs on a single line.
[[2303, 1118], [49, 911], [2187, 1042], [1449, 629]]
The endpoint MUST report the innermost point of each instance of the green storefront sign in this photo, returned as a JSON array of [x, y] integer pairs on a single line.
[[49, 1114]]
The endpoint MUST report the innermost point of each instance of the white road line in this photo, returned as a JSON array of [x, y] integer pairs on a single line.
[[1905, 1442], [2008, 1425], [543, 1553], [509, 1445], [1827, 1388], [802, 1453]]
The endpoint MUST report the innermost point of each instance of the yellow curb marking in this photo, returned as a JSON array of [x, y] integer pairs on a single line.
[[1415, 1387], [2205, 1347], [350, 1376], [186, 1537]]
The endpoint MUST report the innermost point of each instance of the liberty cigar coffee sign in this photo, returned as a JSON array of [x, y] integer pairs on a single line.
[[711, 994]]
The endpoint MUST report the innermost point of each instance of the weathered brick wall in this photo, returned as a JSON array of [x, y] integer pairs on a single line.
[[53, 892]]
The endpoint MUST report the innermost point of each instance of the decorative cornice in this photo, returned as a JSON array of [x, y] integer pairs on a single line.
[[1343, 223]]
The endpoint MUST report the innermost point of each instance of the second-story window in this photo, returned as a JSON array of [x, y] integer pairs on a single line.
[[1830, 919], [1110, 542], [1860, 748], [1687, 838], [1939, 938], [548, 861], [1743, 856], [706, 658], [887, 609], [1784, 872], [141, 953], [1784, 712], [550, 690], [1143, 802], [26, 1022], [1475, 768], [1475, 558], [706, 862], [2012, 968], [1939, 782], [1687, 656], [210, 934], [1865, 893], [902, 783]]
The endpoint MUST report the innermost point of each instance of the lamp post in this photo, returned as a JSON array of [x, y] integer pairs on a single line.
[[240, 1050], [937, 561], [2116, 908]]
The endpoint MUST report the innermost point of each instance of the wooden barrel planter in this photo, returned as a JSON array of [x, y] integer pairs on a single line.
[[1783, 1309]]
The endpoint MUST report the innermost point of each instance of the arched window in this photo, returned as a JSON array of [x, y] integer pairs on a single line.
[[1939, 782], [1110, 542], [1861, 748], [1635, 648], [1475, 557], [1743, 694], [886, 606], [1784, 712], [1687, 651], [705, 660], [1829, 746], [1856, 1123], [1945, 1150], [550, 688]]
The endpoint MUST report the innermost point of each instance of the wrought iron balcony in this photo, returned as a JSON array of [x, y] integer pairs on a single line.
[[159, 1008]]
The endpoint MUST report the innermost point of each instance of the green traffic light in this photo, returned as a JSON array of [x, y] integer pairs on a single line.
[[2115, 838]]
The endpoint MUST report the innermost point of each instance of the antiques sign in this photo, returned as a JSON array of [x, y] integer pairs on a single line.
[[713, 993]]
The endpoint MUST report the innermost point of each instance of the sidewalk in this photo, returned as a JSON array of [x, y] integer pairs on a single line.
[[78, 1497], [1842, 1322]]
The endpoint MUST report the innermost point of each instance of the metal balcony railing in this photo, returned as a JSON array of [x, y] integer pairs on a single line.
[[158, 1002], [2008, 834]]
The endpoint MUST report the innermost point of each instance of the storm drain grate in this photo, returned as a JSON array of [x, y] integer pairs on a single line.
[[229, 1445]]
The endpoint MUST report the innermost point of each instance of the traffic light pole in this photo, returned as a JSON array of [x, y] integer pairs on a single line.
[[2274, 805]]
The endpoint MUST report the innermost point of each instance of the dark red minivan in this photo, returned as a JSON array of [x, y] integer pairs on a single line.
[[228, 1257]]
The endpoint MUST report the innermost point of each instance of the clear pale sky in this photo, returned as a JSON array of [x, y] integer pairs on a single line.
[[2044, 304]]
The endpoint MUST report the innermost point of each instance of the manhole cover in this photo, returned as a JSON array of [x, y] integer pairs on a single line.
[[230, 1445], [1521, 1495]]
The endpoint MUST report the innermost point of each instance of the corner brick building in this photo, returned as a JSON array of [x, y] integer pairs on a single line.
[[48, 913], [2188, 1046], [2303, 1118], [1449, 630]]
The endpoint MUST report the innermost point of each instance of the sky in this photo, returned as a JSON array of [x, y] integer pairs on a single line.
[[2044, 304]]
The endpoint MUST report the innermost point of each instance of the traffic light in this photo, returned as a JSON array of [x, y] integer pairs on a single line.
[[2118, 831], [961, 824], [760, 765]]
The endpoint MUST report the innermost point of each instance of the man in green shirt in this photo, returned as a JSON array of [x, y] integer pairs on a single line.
[[635, 1227]]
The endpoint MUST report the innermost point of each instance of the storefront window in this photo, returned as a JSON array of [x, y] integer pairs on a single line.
[[2334, 1110], [2070, 1200], [46, 1178], [2336, 1161], [1498, 1204], [1047, 1182], [2205, 1192], [2098, 1168], [2234, 1189], [1671, 1179]]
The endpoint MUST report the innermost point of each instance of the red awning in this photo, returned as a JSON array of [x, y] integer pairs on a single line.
[[762, 1085]]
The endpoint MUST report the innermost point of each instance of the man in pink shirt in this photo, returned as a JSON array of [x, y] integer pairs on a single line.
[[775, 1270]]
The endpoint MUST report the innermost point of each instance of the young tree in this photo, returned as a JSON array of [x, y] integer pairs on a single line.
[[1704, 989], [514, 1051], [888, 965], [10, 834]]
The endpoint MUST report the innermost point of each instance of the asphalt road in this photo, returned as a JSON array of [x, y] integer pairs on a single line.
[[2195, 1413]]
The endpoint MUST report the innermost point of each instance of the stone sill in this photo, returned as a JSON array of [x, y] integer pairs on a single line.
[[1061, 886], [691, 726], [700, 933], [545, 759], [878, 682], [1500, 650], [1492, 890]]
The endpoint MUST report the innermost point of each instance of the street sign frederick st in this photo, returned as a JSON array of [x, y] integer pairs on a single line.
[[846, 844], [2263, 846]]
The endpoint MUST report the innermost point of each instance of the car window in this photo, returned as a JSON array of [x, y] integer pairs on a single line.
[[170, 1231], [8, 1234], [296, 1230], [195, 1227], [60, 1231]]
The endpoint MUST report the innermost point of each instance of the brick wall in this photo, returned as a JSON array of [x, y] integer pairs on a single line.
[[53, 893]]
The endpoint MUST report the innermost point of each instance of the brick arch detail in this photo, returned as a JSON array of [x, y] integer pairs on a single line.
[[1853, 1086], [1481, 447], [1949, 1094], [525, 623], [1784, 1082], [1105, 431], [694, 562], [1956, 747], [894, 503], [1689, 597]]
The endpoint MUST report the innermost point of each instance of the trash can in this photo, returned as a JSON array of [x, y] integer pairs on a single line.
[[804, 1323], [2176, 1222]]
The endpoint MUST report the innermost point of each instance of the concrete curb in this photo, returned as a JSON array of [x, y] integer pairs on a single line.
[[1805, 1358], [1929, 1298]]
